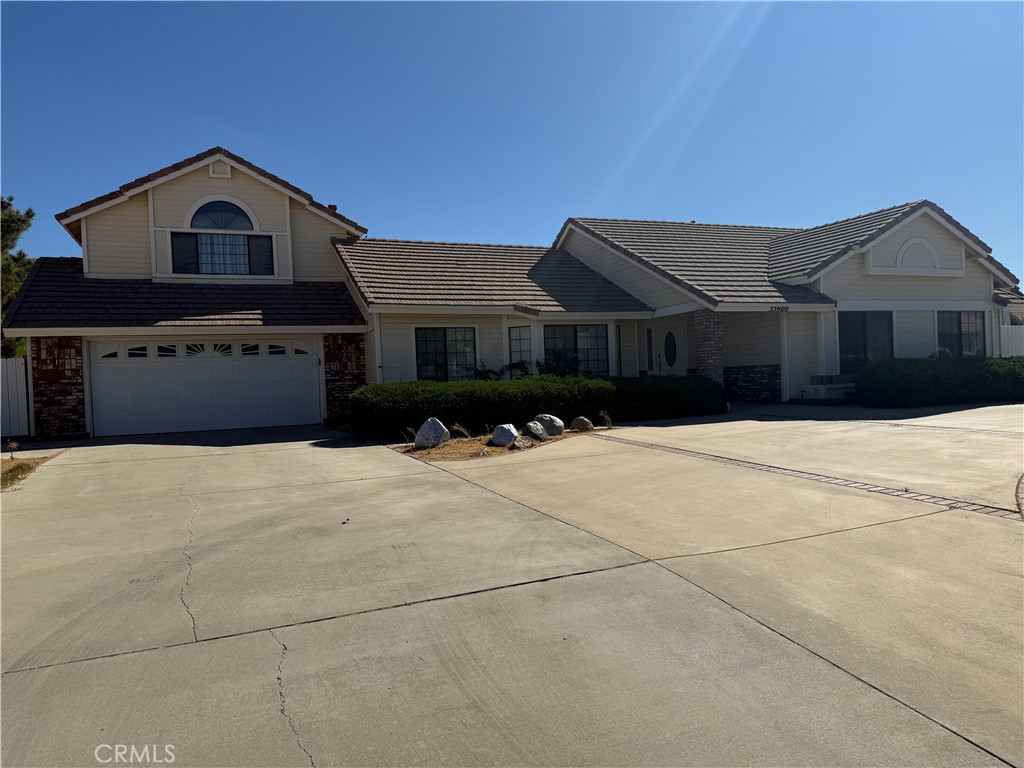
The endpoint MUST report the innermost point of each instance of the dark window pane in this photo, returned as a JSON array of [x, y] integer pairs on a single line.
[[261, 255], [972, 332], [949, 334], [592, 349], [560, 349], [221, 214], [223, 254], [670, 349], [863, 337], [520, 348], [184, 253]]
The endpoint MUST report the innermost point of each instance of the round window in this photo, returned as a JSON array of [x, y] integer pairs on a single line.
[[670, 349]]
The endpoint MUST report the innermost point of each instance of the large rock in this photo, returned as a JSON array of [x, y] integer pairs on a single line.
[[582, 424], [431, 434], [552, 424], [504, 434], [521, 443], [535, 430]]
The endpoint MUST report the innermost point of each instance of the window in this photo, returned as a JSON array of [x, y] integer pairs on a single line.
[[961, 334], [195, 350], [574, 349], [250, 349], [445, 354], [670, 349], [276, 349], [142, 351], [106, 351], [212, 253], [302, 348], [166, 350], [863, 338], [520, 349], [222, 349]]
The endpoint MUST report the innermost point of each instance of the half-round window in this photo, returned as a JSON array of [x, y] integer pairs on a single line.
[[221, 214], [670, 349]]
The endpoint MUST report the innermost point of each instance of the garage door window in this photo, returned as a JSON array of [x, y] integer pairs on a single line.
[[140, 351], [166, 350], [221, 349], [195, 350], [250, 349]]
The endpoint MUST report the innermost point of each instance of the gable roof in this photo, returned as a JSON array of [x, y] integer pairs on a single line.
[[1006, 296], [125, 190], [526, 278], [56, 294], [717, 263], [806, 252]]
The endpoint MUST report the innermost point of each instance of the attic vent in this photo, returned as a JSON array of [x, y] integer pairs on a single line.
[[220, 170]]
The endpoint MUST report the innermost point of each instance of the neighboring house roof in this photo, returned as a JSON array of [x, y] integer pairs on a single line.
[[806, 252], [538, 279], [718, 263], [56, 294], [1006, 295], [126, 189]]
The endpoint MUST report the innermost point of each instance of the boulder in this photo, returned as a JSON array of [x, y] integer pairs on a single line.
[[582, 424], [552, 424], [535, 430], [504, 434], [521, 443], [431, 434]]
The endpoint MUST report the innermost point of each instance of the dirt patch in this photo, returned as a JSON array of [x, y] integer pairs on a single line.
[[16, 470], [466, 448]]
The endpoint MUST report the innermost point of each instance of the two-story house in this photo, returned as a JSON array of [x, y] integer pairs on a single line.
[[212, 294]]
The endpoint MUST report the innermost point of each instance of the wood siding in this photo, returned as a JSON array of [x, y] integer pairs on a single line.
[[619, 270], [397, 341], [173, 199], [313, 256], [628, 347], [750, 338], [117, 240], [847, 282], [946, 245]]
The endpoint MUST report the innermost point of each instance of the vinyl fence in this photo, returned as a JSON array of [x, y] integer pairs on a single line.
[[1011, 340], [13, 398]]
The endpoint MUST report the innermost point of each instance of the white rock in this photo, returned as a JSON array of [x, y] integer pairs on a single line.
[[536, 431], [552, 424], [431, 434], [504, 434]]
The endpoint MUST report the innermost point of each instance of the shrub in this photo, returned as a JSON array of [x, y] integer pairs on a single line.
[[948, 381], [383, 411]]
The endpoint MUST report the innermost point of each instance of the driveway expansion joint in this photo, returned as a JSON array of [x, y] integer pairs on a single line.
[[905, 493], [280, 694]]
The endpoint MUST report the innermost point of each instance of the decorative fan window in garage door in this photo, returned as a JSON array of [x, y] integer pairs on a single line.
[[221, 252]]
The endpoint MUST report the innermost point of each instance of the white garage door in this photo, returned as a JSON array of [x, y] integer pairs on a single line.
[[143, 386]]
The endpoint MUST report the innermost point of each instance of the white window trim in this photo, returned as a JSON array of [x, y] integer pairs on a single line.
[[917, 241], [476, 343], [187, 224], [214, 174], [172, 275]]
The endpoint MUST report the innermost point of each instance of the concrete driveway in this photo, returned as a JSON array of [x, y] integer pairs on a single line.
[[679, 595]]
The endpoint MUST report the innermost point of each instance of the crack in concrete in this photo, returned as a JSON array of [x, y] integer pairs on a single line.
[[188, 563], [280, 694]]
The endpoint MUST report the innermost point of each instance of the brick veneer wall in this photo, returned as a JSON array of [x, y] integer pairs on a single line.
[[58, 386], [707, 327], [754, 383], [344, 372]]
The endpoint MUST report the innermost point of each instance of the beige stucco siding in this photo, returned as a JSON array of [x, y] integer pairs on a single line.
[[397, 341], [628, 276], [117, 240], [313, 256], [946, 245], [750, 338], [173, 199], [847, 282], [802, 351], [914, 333]]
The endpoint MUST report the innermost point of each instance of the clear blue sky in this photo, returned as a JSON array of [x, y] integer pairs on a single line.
[[495, 122]]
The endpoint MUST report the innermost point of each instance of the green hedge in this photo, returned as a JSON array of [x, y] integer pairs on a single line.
[[909, 383], [388, 411]]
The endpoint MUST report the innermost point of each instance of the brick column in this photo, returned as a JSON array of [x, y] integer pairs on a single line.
[[344, 372], [58, 386], [707, 327]]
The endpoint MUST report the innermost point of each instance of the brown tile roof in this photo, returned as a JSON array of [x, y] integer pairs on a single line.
[[532, 278], [805, 252], [1006, 295], [715, 262], [124, 189], [56, 294]]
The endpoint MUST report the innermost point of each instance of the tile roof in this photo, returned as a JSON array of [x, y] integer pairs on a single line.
[[804, 252], [715, 262], [56, 294], [1005, 295], [125, 189], [465, 274]]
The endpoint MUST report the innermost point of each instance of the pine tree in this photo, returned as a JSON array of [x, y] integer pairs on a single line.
[[15, 264]]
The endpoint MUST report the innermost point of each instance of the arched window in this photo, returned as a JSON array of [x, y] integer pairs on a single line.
[[213, 253], [220, 214]]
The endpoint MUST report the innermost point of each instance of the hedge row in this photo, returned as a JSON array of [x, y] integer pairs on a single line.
[[389, 411], [909, 383]]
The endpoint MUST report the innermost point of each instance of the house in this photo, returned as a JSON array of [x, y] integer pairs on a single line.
[[214, 294]]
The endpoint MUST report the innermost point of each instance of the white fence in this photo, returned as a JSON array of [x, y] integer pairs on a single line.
[[14, 398], [1011, 340]]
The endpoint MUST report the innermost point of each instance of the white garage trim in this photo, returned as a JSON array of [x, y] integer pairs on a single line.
[[232, 331]]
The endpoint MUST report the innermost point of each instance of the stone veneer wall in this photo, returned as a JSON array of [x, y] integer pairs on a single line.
[[707, 326], [344, 372], [754, 383], [58, 386]]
